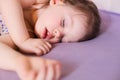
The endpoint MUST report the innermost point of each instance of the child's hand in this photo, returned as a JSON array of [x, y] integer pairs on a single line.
[[35, 68], [37, 46]]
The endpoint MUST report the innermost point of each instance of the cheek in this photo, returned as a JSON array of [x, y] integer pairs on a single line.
[[50, 18], [65, 40], [38, 27], [37, 32]]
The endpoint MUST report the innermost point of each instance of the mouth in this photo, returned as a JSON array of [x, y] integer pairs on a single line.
[[46, 34]]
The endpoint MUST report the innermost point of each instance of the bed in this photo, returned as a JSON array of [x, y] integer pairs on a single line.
[[97, 59]]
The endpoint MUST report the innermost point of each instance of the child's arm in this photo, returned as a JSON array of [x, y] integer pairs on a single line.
[[28, 68], [13, 16]]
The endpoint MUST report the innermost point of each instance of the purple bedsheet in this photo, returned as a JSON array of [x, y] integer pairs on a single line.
[[97, 59]]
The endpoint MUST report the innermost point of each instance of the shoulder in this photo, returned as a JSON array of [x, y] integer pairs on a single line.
[[27, 3], [30, 3]]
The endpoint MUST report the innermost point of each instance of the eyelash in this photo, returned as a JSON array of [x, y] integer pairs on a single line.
[[63, 23]]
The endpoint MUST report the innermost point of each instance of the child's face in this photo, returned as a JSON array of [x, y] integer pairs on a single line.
[[61, 23]]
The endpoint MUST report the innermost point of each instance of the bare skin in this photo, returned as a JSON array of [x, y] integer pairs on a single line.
[[35, 68], [27, 67], [48, 28], [19, 33]]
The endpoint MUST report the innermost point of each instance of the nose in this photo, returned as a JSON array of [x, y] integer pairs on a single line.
[[57, 33]]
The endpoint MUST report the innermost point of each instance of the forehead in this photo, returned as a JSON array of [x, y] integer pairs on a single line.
[[63, 8]]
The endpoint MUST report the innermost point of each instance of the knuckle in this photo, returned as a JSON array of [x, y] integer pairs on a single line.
[[39, 52], [57, 63]]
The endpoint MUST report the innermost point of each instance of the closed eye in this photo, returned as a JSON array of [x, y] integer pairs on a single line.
[[62, 23]]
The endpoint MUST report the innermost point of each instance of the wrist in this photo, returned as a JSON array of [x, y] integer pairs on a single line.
[[21, 41], [20, 44], [20, 63]]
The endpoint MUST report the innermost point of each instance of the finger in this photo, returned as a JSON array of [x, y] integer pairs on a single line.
[[32, 75], [57, 71], [49, 45], [46, 47], [54, 40], [38, 51], [42, 73], [50, 72], [44, 50]]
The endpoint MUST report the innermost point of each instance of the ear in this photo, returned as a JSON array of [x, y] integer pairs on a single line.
[[56, 2]]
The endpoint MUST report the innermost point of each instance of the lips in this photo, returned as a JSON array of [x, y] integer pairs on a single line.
[[46, 34]]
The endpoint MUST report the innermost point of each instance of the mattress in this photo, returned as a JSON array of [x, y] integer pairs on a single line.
[[96, 59]]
